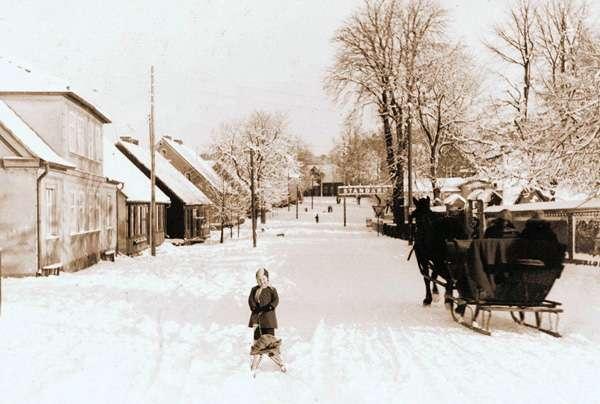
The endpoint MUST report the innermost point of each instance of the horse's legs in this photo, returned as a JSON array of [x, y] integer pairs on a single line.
[[428, 297], [436, 292], [424, 268], [448, 294]]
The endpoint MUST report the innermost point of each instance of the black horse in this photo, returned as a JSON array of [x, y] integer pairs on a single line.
[[432, 231]]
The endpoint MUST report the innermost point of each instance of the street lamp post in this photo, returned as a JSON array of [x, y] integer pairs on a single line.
[[312, 191]]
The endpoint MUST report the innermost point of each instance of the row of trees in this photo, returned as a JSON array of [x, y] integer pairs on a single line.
[[545, 129], [394, 61], [259, 156]]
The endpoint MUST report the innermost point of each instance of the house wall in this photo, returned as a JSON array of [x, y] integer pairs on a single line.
[[70, 130], [43, 113], [136, 234], [18, 221], [86, 212], [190, 173], [5, 150]]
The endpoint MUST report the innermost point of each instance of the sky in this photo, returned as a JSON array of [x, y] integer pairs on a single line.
[[215, 60]]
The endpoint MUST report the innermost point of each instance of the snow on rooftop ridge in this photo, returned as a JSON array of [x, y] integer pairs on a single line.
[[29, 138], [136, 186], [199, 164], [452, 198], [553, 205], [593, 203], [168, 174]]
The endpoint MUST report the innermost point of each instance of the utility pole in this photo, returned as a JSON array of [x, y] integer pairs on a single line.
[[312, 190], [152, 171], [297, 198], [409, 158], [252, 198]]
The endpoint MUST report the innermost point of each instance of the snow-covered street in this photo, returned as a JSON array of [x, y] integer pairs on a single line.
[[173, 329]]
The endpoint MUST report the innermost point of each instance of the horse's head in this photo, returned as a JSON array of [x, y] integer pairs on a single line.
[[422, 207]]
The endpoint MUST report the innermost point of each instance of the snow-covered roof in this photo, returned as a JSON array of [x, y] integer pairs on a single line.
[[452, 198], [16, 78], [29, 138], [200, 165], [553, 205], [593, 203], [450, 184], [136, 186], [482, 195], [168, 174]]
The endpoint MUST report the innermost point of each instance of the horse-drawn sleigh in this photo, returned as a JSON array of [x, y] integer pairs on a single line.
[[482, 276]]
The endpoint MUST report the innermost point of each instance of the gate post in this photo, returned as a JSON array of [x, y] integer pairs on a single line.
[[480, 218], [0, 281], [344, 210], [571, 232]]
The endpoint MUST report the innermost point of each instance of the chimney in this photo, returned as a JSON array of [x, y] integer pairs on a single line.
[[179, 141], [130, 139]]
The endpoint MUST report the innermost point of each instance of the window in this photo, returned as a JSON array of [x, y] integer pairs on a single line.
[[109, 211], [71, 126], [90, 135], [81, 135], [131, 210], [74, 212], [138, 221], [98, 140], [81, 212], [144, 221], [159, 217], [51, 213], [96, 211]]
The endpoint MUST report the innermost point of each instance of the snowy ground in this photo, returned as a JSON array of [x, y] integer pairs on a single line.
[[172, 329]]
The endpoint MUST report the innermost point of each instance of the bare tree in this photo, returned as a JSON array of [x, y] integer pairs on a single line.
[[377, 64], [259, 151], [360, 157], [444, 97], [561, 34]]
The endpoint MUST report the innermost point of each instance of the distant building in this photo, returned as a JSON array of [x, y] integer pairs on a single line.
[[188, 214], [133, 203], [455, 192], [57, 210], [197, 170], [326, 179], [533, 195]]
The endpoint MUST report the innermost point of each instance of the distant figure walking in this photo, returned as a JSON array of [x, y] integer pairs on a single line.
[[317, 218]]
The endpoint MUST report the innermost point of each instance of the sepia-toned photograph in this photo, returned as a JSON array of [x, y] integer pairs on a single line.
[[299, 201]]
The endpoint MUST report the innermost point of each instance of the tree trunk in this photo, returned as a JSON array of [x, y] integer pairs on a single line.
[[252, 199], [396, 176]]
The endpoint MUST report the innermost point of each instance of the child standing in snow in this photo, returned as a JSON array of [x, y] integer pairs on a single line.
[[263, 300]]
